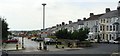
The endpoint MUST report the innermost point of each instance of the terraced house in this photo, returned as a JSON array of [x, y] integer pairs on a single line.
[[106, 25], [92, 24], [109, 24]]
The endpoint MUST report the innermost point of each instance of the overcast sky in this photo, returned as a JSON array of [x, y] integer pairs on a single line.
[[27, 14]]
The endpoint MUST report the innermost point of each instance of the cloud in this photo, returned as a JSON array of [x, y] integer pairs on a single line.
[[27, 14]]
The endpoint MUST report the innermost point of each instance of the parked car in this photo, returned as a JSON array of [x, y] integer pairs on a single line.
[[114, 41], [11, 41], [33, 39], [29, 37], [52, 41], [38, 39]]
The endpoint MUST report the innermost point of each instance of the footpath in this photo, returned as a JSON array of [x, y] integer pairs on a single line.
[[11, 47], [53, 48]]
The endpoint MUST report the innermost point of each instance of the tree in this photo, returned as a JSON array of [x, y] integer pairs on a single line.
[[74, 35], [4, 30], [82, 34], [63, 34]]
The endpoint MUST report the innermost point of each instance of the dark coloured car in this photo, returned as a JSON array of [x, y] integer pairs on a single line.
[[52, 41], [11, 41], [33, 39], [38, 39]]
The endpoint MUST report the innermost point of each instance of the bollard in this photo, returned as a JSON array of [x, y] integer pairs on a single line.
[[63, 47], [16, 46], [40, 48], [56, 46], [45, 47]]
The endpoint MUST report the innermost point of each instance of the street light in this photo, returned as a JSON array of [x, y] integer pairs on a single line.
[[44, 47], [43, 15]]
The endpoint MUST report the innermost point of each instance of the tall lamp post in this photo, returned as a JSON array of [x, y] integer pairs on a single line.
[[44, 47], [43, 15]]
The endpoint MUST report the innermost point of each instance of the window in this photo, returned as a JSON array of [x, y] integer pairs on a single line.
[[110, 27], [103, 36], [106, 36], [110, 20], [107, 28], [87, 23], [104, 20], [101, 20], [107, 20], [100, 28], [113, 27], [117, 27]]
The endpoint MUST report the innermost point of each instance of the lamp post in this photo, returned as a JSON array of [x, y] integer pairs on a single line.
[[43, 15], [44, 46]]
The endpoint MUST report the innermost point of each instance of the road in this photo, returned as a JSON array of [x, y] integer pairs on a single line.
[[102, 48], [29, 45]]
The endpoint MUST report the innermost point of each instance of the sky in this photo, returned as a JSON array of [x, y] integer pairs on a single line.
[[27, 14]]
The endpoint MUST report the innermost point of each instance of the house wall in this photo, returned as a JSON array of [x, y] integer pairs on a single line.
[[108, 29]]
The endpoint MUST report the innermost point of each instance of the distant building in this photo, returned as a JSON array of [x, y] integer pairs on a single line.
[[74, 25]]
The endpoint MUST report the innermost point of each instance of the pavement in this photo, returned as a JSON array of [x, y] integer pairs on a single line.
[[11, 47], [32, 46]]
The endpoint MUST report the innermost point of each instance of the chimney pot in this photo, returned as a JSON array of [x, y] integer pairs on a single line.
[[79, 20], [118, 8], [107, 10], [84, 18], [63, 23], [91, 14], [70, 22]]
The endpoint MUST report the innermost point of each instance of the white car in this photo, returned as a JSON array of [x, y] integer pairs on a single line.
[[113, 41]]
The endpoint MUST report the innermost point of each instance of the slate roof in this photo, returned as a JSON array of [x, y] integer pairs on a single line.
[[110, 14], [94, 17]]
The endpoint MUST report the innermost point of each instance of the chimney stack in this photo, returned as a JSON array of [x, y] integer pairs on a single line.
[[107, 10], [91, 14], [57, 25], [60, 25], [118, 8], [63, 23], [79, 20], [70, 22], [118, 11], [84, 18]]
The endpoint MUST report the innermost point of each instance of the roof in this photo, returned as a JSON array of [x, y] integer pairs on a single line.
[[110, 14], [94, 17]]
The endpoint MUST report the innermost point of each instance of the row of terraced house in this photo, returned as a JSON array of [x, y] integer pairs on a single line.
[[105, 25]]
